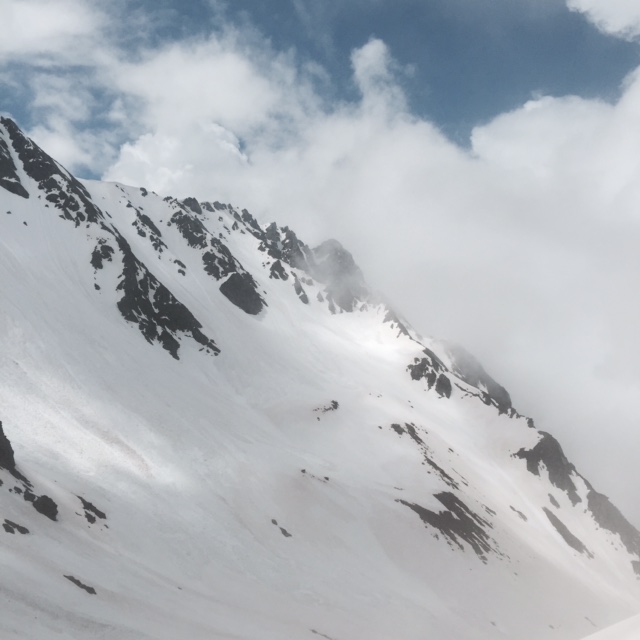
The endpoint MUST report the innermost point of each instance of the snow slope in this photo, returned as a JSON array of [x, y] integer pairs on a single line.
[[626, 630], [242, 441]]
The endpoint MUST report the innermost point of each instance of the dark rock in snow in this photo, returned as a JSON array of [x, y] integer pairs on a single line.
[[609, 517], [241, 289], [520, 514], [398, 429], [12, 527], [91, 512], [277, 271], [392, 318], [7, 459], [146, 227], [443, 386], [411, 430], [62, 189], [299, 289], [294, 251], [193, 204], [457, 523], [147, 303], [430, 369], [251, 224], [218, 261], [335, 267], [102, 252], [549, 452], [192, 229], [573, 541], [467, 368], [46, 506], [83, 586], [9, 178]]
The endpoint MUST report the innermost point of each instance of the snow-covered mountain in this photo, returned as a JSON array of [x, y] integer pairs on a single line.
[[213, 430]]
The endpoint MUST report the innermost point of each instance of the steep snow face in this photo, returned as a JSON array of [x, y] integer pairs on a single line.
[[212, 430]]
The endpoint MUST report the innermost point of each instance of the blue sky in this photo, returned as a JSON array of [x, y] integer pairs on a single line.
[[480, 158], [461, 62], [464, 62]]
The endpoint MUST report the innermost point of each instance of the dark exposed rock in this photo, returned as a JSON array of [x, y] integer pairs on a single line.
[[609, 517], [46, 506], [9, 178], [283, 531], [467, 368], [218, 261], [147, 303], [332, 406], [430, 369], [62, 189], [392, 318], [295, 252], [91, 512], [549, 452], [520, 514], [102, 252], [12, 527], [457, 523], [271, 233], [251, 224], [573, 541], [335, 267], [241, 289], [554, 502], [83, 586], [443, 386], [300, 292], [7, 458], [145, 226], [192, 229], [193, 204], [277, 271], [411, 430], [322, 635]]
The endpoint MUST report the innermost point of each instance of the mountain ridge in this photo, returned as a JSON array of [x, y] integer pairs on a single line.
[[337, 399]]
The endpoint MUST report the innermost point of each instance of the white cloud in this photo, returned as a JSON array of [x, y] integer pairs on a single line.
[[617, 17], [51, 30]]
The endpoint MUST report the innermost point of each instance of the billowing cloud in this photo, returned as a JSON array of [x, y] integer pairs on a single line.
[[617, 17], [51, 31]]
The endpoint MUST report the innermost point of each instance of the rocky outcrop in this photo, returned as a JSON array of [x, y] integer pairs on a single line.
[[548, 452], [9, 178], [335, 267], [7, 458], [468, 369], [62, 190]]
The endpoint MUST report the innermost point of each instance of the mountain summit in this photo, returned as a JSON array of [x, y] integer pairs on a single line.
[[213, 430]]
